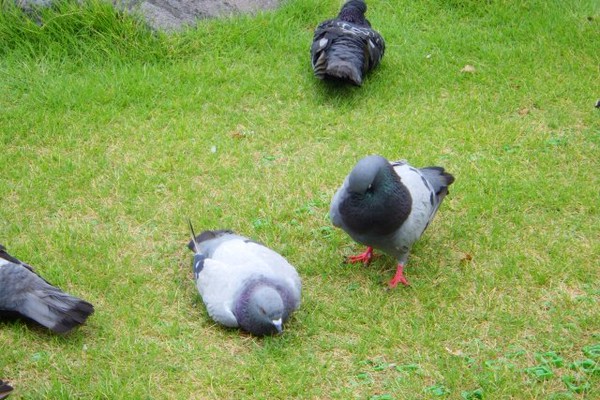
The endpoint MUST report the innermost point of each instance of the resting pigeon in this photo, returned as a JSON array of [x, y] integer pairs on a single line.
[[346, 47], [243, 283], [387, 206], [26, 293], [5, 389]]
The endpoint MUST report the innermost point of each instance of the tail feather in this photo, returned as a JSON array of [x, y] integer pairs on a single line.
[[339, 55], [346, 60], [344, 70], [439, 179], [56, 309]]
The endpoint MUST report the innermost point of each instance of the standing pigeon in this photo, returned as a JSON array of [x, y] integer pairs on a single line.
[[5, 389], [243, 283], [346, 47], [387, 206], [25, 292]]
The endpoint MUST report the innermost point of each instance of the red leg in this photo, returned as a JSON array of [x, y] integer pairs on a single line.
[[365, 257], [398, 278]]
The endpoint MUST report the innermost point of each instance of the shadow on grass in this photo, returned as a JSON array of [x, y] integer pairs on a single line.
[[14, 318], [336, 92]]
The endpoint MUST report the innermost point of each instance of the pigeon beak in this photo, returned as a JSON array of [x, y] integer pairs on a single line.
[[278, 325]]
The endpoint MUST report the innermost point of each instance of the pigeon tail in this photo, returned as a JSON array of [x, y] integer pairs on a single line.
[[55, 309], [439, 179], [344, 70], [5, 389]]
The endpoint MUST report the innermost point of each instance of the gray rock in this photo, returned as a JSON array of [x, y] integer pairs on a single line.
[[170, 15], [30, 3], [175, 14]]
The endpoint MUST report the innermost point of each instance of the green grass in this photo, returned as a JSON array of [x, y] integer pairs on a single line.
[[107, 131]]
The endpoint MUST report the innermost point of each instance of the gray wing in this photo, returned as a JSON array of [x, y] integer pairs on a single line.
[[219, 285], [425, 201], [424, 205], [24, 292], [15, 282], [376, 48]]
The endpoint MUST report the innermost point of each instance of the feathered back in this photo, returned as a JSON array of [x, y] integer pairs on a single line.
[[346, 47]]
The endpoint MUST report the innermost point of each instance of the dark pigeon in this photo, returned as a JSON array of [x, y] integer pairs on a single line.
[[243, 283], [5, 389], [346, 48], [24, 292], [388, 206]]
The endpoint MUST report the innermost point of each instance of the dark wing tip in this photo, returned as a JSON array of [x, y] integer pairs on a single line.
[[449, 178], [207, 235], [74, 317], [5, 389]]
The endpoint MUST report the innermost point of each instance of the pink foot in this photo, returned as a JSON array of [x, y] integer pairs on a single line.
[[398, 278], [365, 257]]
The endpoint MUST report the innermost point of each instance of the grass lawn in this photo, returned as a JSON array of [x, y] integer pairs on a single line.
[[112, 137]]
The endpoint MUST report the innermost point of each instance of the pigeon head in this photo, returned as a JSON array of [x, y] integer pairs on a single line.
[[354, 11], [369, 174], [377, 201], [261, 311]]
